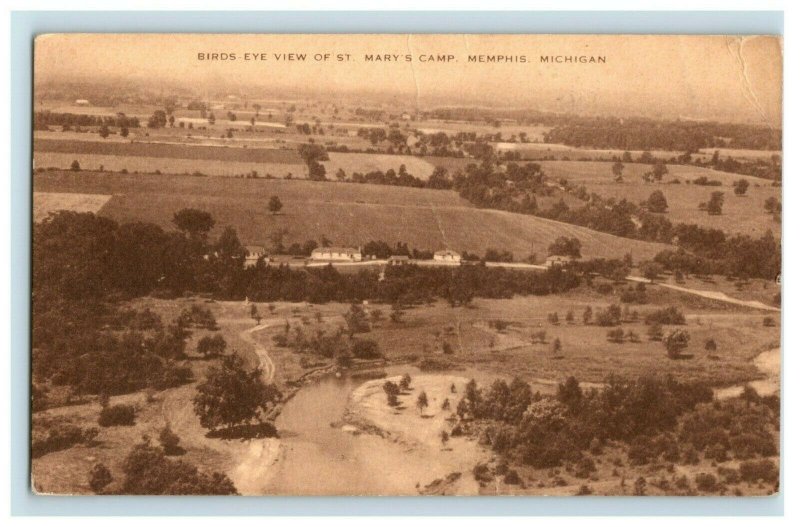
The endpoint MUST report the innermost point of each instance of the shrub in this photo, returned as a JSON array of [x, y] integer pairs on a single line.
[[616, 335], [705, 482], [117, 415], [365, 349], [482, 473], [149, 472], [170, 441], [760, 470], [59, 437], [584, 490], [769, 322], [676, 342], [211, 346], [611, 316], [512, 478], [99, 478], [729, 475], [392, 391], [431, 364], [667, 316], [585, 468]]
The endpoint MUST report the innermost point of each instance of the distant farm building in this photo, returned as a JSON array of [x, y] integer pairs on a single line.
[[81, 102], [252, 254], [558, 260], [399, 259], [344, 254], [447, 256]]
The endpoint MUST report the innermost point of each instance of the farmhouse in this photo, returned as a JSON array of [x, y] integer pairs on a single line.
[[347, 254], [81, 102], [399, 259], [252, 254], [447, 256], [557, 260]]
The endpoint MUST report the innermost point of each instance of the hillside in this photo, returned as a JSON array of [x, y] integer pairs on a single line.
[[740, 214], [347, 214]]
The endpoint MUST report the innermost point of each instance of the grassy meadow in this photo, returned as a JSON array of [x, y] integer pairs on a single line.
[[347, 214]]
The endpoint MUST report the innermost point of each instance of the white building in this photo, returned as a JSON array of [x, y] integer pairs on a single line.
[[339, 254], [81, 102], [557, 260], [253, 253], [447, 256], [399, 259]]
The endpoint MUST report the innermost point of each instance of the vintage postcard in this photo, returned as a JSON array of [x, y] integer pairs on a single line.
[[406, 264]]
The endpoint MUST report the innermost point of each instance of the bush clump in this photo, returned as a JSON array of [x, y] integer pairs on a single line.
[[117, 415]]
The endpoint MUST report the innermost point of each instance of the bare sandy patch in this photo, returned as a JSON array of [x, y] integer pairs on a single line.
[[421, 429]]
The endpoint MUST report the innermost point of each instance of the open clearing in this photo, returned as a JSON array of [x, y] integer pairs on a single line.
[[586, 352], [363, 163], [741, 215], [348, 214]]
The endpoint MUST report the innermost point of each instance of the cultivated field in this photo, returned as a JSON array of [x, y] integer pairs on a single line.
[[167, 165], [743, 214], [363, 163], [349, 214], [171, 150], [560, 151]]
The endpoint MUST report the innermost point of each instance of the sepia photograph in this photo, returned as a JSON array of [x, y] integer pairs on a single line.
[[406, 264]]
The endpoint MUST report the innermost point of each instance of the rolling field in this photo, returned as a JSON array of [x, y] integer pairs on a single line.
[[743, 215], [535, 151], [348, 214], [170, 150], [167, 165]]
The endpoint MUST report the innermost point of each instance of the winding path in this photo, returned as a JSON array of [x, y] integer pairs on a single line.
[[264, 360]]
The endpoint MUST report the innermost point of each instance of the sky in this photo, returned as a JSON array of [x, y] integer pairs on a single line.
[[736, 79]]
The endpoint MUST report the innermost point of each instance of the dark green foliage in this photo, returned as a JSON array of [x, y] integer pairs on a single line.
[[611, 316], [744, 428], [193, 221], [58, 436], [231, 395], [392, 390], [667, 316], [149, 472], [657, 202], [676, 342], [365, 349], [564, 246], [198, 316], [117, 415], [356, 319], [211, 346], [544, 432], [170, 441], [759, 470], [99, 478]]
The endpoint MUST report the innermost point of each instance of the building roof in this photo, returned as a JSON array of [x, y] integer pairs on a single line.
[[447, 252], [560, 257], [254, 249], [345, 250]]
